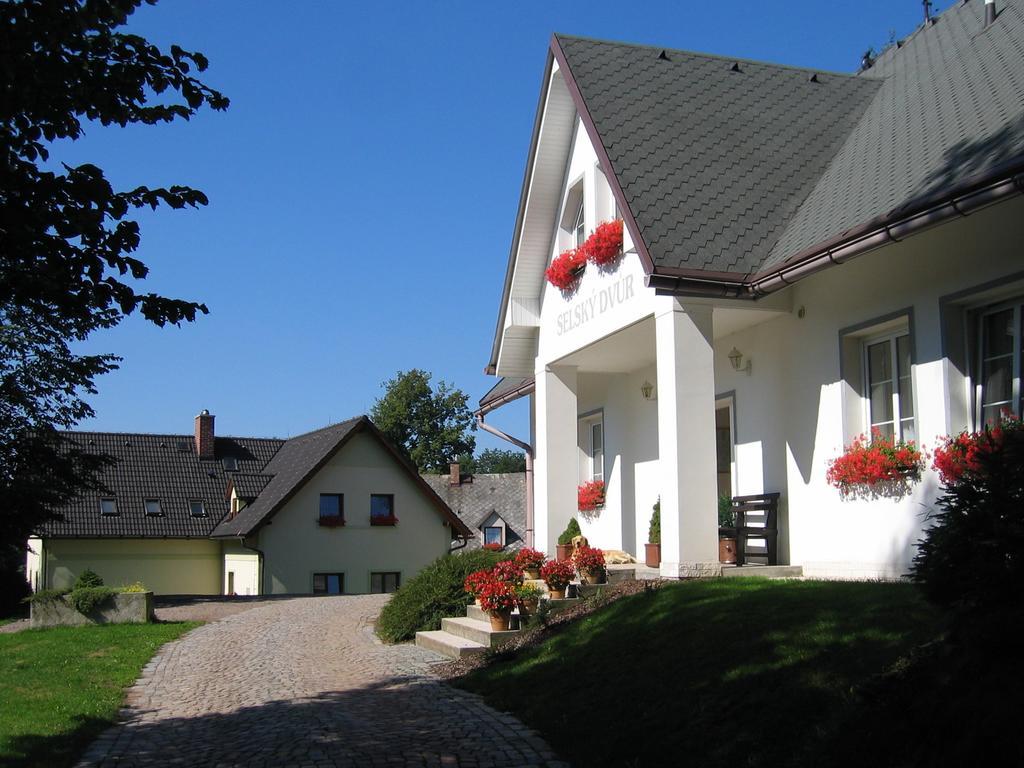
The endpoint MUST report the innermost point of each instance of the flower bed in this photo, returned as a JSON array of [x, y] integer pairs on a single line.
[[867, 463]]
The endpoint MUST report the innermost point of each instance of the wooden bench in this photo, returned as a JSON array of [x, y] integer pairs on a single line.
[[757, 517]]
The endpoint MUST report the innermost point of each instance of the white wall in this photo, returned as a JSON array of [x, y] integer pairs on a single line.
[[295, 546]]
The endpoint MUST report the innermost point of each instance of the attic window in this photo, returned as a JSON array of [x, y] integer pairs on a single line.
[[230, 464], [108, 507], [574, 231], [196, 508], [153, 508]]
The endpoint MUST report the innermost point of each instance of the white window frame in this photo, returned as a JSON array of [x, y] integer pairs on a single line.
[[897, 394], [1014, 404], [587, 422]]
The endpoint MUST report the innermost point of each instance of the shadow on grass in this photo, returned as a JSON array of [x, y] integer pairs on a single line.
[[403, 720], [739, 672]]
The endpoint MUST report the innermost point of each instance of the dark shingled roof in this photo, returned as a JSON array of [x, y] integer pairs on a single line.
[[475, 501], [297, 460], [248, 486], [736, 169], [163, 467]]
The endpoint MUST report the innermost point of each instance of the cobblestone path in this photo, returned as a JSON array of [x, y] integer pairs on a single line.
[[304, 682]]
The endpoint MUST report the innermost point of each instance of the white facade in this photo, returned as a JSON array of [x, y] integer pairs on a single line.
[[795, 401]]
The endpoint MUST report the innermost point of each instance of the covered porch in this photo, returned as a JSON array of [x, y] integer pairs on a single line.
[[643, 412]]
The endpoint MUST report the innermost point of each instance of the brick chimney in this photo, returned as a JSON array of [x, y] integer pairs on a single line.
[[204, 435], [454, 477]]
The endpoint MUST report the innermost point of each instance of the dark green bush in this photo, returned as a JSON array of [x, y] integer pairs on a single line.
[[972, 559], [86, 599], [42, 595], [654, 531], [434, 593], [572, 530], [88, 578]]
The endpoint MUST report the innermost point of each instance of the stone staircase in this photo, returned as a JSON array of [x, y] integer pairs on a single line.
[[471, 634]]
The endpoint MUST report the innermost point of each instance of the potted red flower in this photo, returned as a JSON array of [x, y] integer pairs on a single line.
[[867, 463], [566, 268], [590, 566], [557, 575], [498, 598], [530, 560], [508, 571], [474, 583], [590, 496]]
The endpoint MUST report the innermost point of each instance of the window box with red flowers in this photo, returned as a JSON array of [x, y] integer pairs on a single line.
[[962, 457], [881, 462], [384, 520], [590, 496], [566, 268], [493, 547], [331, 521]]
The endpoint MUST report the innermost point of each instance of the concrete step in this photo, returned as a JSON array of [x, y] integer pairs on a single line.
[[621, 573], [763, 571], [477, 631], [476, 613], [447, 644], [561, 605]]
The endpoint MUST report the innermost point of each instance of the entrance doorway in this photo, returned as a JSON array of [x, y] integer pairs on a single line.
[[725, 444]]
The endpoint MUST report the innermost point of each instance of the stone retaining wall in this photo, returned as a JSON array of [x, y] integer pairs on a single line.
[[122, 608]]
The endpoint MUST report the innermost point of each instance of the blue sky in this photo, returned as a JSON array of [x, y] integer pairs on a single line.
[[363, 187]]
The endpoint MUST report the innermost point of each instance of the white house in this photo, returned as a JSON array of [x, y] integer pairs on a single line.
[[807, 255]]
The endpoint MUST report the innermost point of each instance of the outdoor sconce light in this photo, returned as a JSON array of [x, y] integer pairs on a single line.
[[647, 390], [736, 358]]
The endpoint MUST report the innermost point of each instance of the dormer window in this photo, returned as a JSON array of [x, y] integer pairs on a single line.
[[152, 507], [108, 507], [573, 224]]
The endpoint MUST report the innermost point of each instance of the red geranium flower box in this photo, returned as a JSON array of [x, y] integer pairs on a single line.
[[867, 463], [590, 496], [566, 267]]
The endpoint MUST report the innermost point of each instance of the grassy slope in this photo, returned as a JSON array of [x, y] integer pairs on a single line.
[[726, 672], [61, 687]]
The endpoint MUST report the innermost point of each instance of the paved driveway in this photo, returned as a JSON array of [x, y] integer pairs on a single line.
[[304, 682]]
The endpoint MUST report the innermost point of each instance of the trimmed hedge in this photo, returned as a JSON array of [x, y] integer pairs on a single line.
[[434, 593]]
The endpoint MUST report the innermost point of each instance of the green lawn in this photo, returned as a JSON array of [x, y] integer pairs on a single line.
[[725, 672], [59, 688]]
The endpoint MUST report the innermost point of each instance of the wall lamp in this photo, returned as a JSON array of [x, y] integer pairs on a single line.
[[647, 390], [736, 358]]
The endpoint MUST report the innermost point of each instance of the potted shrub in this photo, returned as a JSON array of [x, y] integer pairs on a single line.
[[557, 574], [530, 560], [498, 598], [528, 596], [727, 542], [563, 553], [589, 564], [653, 547]]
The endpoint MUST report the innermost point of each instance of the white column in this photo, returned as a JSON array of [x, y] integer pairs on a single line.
[[555, 464], [686, 440]]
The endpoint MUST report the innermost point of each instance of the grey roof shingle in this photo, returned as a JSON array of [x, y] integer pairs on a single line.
[[163, 467], [738, 171], [475, 501], [505, 386]]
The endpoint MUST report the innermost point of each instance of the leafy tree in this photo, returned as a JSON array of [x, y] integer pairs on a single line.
[[432, 426], [66, 235], [495, 460]]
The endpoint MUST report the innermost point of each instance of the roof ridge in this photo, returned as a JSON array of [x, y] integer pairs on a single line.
[[166, 435], [335, 425], [705, 55]]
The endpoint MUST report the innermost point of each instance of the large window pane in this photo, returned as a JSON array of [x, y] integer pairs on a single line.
[[879, 363], [330, 505], [998, 330], [382, 505], [997, 380], [881, 403]]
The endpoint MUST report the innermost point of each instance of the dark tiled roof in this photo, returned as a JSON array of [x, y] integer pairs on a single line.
[[504, 387], [738, 171], [475, 501], [163, 467], [297, 460]]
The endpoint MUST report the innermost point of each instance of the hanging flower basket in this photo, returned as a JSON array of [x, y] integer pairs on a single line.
[[865, 464], [566, 268], [590, 496], [605, 245]]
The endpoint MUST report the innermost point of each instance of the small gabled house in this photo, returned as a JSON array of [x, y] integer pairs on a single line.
[[492, 505], [337, 510], [808, 256]]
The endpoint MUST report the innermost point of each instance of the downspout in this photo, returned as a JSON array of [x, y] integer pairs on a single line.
[[528, 449], [259, 565]]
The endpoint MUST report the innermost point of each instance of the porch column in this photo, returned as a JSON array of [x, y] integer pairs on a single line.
[[556, 464], [686, 440]]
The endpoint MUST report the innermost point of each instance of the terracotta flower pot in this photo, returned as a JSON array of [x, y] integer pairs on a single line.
[[652, 555], [727, 550], [529, 607], [593, 576], [531, 573], [563, 553], [500, 620], [556, 594]]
